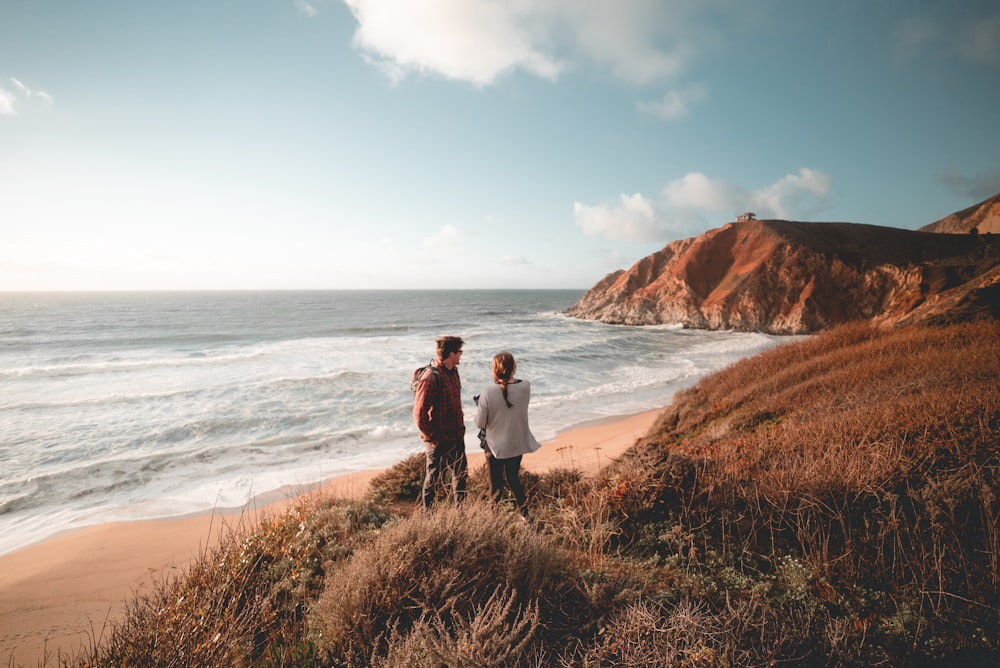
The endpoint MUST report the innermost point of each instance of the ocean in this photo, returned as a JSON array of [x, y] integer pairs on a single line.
[[127, 406]]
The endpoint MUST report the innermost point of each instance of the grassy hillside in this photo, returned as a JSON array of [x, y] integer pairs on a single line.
[[865, 461], [833, 501]]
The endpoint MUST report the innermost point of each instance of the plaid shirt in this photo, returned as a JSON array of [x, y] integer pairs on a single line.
[[437, 406]]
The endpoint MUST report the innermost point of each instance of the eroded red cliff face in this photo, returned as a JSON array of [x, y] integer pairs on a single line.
[[787, 277]]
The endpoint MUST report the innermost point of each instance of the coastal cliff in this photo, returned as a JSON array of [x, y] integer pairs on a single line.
[[786, 277], [982, 218]]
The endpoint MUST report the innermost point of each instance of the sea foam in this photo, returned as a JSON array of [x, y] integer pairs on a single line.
[[133, 406]]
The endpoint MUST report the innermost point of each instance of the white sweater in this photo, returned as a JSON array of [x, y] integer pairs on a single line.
[[507, 431]]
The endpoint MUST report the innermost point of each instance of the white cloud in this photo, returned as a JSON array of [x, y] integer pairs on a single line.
[[511, 260], [9, 100], [469, 40], [696, 191], [794, 195], [693, 200], [640, 41], [634, 219], [29, 93], [6, 103]]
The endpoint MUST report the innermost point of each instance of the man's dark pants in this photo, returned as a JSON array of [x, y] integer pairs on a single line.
[[446, 456]]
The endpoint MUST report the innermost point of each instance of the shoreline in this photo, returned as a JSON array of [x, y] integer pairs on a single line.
[[57, 594], [262, 500]]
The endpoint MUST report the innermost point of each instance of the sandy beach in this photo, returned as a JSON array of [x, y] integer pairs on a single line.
[[70, 589]]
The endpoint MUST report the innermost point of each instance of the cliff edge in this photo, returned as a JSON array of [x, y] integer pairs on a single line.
[[787, 277]]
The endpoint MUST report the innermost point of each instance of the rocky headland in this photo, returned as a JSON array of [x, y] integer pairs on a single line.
[[982, 218], [788, 277]]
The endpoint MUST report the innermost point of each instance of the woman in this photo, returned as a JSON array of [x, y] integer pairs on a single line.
[[502, 410]]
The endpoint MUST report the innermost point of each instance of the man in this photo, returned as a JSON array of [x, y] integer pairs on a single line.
[[437, 412]]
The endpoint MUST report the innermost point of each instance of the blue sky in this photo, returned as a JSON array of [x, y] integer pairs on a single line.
[[285, 144]]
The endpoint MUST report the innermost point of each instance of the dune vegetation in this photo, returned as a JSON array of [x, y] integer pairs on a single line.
[[831, 502]]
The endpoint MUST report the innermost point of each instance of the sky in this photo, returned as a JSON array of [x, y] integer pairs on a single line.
[[377, 144]]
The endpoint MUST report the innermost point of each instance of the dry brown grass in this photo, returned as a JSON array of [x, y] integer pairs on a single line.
[[243, 602], [438, 575], [871, 455], [832, 502]]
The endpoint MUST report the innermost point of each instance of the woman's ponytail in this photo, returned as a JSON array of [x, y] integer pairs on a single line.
[[503, 370]]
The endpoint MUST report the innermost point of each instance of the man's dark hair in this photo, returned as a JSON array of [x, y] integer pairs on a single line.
[[447, 345]]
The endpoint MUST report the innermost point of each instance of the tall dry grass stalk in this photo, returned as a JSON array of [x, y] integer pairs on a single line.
[[496, 634], [431, 573]]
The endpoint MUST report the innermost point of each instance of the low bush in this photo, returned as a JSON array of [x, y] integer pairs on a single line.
[[243, 602], [430, 580], [401, 482]]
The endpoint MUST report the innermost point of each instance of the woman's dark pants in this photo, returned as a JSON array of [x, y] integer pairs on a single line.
[[508, 469]]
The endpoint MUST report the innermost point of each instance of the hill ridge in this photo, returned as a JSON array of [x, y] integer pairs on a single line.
[[796, 277], [981, 218]]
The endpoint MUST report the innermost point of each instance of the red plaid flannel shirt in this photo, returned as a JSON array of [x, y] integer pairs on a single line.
[[437, 406]]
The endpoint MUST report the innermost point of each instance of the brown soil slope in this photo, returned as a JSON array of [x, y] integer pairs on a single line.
[[982, 218], [786, 277]]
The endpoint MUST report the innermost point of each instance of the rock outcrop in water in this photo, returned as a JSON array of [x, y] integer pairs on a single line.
[[786, 277]]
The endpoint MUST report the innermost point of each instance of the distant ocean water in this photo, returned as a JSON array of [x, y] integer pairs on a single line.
[[121, 406]]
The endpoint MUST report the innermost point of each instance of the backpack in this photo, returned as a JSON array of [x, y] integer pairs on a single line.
[[419, 374]]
